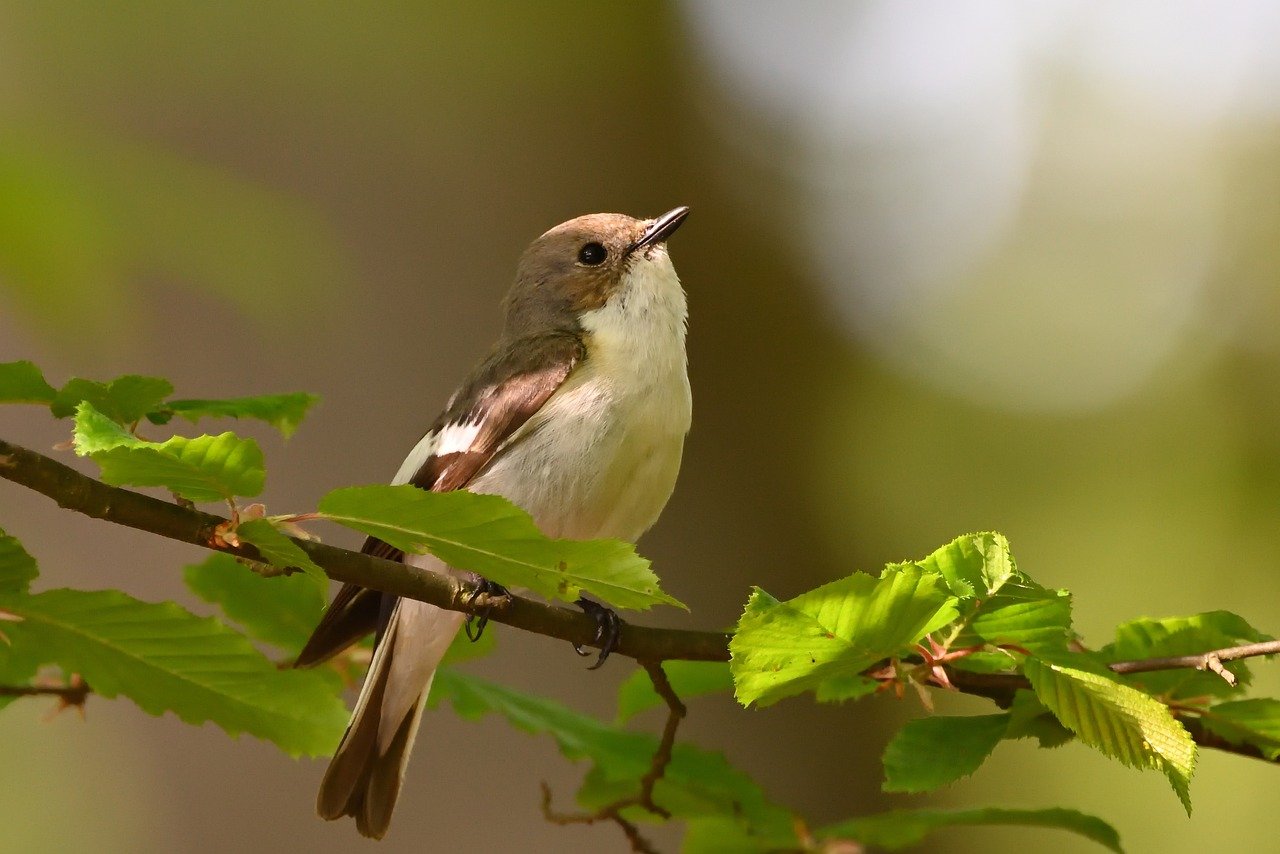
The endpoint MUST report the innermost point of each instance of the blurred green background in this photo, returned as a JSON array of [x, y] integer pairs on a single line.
[[951, 267]]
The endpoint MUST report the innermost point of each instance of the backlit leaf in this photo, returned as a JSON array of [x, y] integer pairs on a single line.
[[490, 535]]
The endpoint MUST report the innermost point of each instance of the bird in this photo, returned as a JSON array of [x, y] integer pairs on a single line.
[[578, 415]]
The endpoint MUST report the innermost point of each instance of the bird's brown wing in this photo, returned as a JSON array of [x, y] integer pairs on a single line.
[[477, 427]]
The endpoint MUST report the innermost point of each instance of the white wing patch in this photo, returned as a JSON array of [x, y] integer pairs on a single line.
[[450, 439], [457, 437], [421, 452]]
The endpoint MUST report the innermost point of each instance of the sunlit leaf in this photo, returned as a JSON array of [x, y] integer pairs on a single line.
[[1118, 720], [929, 753], [167, 659], [1039, 625], [841, 628], [206, 468], [490, 535], [974, 564], [22, 382]]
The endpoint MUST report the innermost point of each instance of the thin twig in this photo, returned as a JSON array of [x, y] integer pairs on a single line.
[[657, 768], [1211, 660]]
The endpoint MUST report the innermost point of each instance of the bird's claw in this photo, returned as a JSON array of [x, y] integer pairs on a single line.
[[608, 630], [475, 623]]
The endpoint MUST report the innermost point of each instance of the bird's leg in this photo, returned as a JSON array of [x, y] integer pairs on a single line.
[[608, 629], [475, 624]]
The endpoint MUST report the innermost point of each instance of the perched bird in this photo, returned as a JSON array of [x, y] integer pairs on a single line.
[[578, 415]]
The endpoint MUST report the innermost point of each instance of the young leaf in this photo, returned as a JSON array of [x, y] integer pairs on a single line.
[[281, 610], [22, 382], [278, 549], [1040, 625], [282, 411], [1120, 721], [841, 628], [1255, 722], [904, 828], [206, 468], [167, 659], [490, 535], [17, 568], [687, 678], [1175, 636], [974, 564], [929, 753], [124, 400]]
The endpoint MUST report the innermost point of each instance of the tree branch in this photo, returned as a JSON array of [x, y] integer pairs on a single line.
[[75, 491], [649, 646]]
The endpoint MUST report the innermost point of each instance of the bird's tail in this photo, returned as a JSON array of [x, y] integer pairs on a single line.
[[363, 779]]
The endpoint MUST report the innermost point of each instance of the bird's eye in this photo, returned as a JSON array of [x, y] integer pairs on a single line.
[[593, 254]]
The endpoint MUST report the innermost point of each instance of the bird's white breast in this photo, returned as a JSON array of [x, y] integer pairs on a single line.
[[600, 458]]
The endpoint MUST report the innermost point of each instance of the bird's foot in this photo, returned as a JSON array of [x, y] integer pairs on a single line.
[[475, 624], [608, 629]]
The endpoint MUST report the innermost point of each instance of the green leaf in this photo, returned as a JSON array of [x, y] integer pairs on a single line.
[[839, 689], [687, 678], [839, 629], [904, 828], [1028, 718], [167, 659], [281, 610], [619, 753], [19, 658], [124, 400], [1175, 636], [280, 551], [974, 564], [1039, 625], [282, 411], [463, 649], [1118, 720], [723, 835], [206, 468], [22, 382], [490, 535], [1255, 722], [697, 782], [17, 567], [929, 753]]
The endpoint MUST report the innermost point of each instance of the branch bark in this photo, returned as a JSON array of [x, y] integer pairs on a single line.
[[75, 491]]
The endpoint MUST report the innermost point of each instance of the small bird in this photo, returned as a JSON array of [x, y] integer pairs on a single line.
[[578, 415]]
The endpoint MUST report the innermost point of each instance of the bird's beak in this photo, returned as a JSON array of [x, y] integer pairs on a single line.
[[661, 228]]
